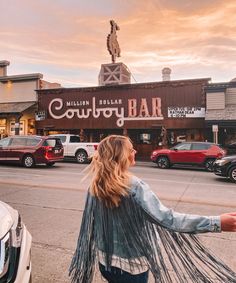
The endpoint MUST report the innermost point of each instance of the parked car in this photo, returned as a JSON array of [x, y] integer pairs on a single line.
[[189, 153], [74, 148], [31, 150], [226, 167], [15, 244], [230, 148]]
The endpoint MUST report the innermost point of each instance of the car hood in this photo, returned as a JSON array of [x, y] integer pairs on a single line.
[[8, 216], [229, 158]]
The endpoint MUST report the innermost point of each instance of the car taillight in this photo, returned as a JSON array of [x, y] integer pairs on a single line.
[[95, 146], [48, 148]]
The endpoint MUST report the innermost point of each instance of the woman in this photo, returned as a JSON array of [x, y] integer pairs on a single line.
[[128, 231]]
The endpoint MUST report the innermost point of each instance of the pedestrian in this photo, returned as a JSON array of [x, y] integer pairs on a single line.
[[129, 232]]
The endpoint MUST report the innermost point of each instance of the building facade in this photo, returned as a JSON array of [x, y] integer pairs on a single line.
[[221, 112], [151, 114], [18, 101]]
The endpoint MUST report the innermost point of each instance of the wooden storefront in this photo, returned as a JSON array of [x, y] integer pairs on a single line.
[[151, 114]]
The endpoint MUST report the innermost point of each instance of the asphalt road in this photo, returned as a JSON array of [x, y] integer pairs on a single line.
[[51, 201]]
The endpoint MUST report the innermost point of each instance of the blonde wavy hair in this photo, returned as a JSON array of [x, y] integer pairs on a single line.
[[109, 170]]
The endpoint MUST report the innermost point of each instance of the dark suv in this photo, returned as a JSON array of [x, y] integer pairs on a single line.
[[226, 167], [189, 153], [31, 150]]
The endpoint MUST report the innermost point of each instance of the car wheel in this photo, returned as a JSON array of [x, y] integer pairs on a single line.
[[81, 157], [50, 164], [163, 162], [232, 174], [209, 164], [28, 161]]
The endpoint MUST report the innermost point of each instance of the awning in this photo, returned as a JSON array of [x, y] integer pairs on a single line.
[[15, 107], [221, 123]]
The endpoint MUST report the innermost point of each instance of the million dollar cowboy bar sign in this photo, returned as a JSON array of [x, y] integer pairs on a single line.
[[93, 111], [138, 106]]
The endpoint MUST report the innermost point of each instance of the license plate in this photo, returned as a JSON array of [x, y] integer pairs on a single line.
[[56, 150]]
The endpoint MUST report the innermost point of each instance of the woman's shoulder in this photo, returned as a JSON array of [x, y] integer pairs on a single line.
[[134, 181], [137, 184]]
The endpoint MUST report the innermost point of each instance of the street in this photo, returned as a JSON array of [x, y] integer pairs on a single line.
[[51, 201]]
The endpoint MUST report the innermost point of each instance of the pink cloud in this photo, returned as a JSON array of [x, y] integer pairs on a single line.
[[153, 34]]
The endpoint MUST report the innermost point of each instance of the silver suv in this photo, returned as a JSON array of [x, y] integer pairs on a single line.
[[15, 247]]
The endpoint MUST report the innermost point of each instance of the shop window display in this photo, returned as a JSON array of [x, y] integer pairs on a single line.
[[12, 128], [145, 138], [3, 132], [31, 127]]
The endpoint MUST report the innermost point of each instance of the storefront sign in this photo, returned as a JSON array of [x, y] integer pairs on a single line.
[[186, 112], [106, 108], [40, 115], [214, 128]]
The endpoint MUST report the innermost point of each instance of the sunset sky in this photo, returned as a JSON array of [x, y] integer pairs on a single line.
[[65, 40]]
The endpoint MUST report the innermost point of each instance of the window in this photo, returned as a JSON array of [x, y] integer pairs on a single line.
[[62, 138], [145, 138], [12, 127], [183, 146], [200, 146], [52, 142], [4, 142], [74, 139], [32, 142], [3, 125], [31, 127], [18, 142]]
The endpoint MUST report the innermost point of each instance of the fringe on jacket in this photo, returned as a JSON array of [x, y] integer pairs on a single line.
[[170, 256]]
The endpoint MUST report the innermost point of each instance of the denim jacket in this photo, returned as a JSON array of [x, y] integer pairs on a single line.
[[179, 222], [142, 228], [157, 214]]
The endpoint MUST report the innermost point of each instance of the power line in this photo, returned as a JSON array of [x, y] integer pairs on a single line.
[[131, 74]]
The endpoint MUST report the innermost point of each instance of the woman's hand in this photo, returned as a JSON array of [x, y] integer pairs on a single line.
[[228, 222]]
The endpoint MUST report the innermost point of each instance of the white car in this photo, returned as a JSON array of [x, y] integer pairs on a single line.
[[73, 147], [15, 247]]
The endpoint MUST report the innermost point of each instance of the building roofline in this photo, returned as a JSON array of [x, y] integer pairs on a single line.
[[128, 86], [218, 87], [4, 63], [23, 77]]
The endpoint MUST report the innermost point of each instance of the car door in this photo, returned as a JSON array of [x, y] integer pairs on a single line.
[[72, 144], [180, 153], [16, 149], [198, 152], [4, 148]]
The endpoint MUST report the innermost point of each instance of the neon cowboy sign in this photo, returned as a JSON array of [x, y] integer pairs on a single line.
[[106, 108]]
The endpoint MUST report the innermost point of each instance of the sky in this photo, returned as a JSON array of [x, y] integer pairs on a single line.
[[65, 40]]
